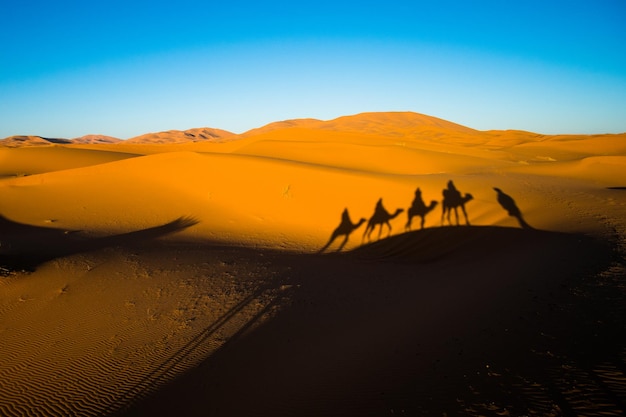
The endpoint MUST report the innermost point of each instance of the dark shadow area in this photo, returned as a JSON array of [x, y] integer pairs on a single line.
[[444, 244], [616, 188], [419, 208], [24, 247], [201, 340], [442, 321], [452, 200], [58, 141], [509, 205], [380, 218], [345, 228]]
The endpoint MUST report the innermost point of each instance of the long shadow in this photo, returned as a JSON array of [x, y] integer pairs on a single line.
[[410, 324], [25, 247], [418, 208], [452, 201], [145, 386], [508, 204], [444, 243], [345, 228], [380, 218]]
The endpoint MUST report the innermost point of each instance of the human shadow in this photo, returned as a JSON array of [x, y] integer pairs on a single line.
[[345, 228], [380, 217], [425, 327], [24, 247], [509, 205], [452, 200], [419, 208]]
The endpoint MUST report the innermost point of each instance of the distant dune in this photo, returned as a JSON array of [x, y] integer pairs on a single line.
[[95, 139], [375, 264], [169, 137], [177, 136], [390, 123], [20, 141]]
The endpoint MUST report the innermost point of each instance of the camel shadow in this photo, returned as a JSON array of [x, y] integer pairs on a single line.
[[24, 247], [509, 205], [380, 218], [345, 228], [419, 208], [452, 200]]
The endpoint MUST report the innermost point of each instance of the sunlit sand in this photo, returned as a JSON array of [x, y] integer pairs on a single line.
[[376, 264]]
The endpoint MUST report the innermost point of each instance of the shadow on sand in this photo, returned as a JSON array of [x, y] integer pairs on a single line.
[[452, 320], [510, 206], [443, 243], [345, 228], [24, 247], [380, 218], [452, 201]]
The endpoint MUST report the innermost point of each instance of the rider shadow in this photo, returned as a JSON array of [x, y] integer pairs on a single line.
[[452, 200], [509, 205], [24, 247], [418, 208], [380, 217], [345, 228]]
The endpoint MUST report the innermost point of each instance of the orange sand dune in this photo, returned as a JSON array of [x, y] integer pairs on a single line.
[[177, 275], [177, 136], [37, 160], [25, 141], [96, 139], [386, 124]]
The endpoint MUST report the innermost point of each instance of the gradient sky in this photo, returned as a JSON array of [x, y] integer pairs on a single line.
[[124, 68]]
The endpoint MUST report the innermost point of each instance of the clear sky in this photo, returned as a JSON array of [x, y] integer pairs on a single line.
[[124, 68]]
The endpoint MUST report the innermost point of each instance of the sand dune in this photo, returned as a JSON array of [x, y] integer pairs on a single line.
[[184, 271], [385, 124], [178, 136], [96, 139], [22, 141], [38, 160]]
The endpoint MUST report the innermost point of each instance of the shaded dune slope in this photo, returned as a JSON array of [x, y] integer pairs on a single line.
[[444, 313], [25, 247], [478, 242], [37, 160]]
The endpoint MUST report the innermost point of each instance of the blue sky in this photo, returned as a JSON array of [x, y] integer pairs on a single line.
[[123, 68]]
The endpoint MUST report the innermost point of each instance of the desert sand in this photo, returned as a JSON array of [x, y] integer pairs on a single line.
[[274, 273]]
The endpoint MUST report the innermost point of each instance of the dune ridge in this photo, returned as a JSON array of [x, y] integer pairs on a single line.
[[96, 139], [178, 272], [177, 136], [20, 141]]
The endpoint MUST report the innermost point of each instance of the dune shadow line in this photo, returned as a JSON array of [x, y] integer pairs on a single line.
[[24, 247]]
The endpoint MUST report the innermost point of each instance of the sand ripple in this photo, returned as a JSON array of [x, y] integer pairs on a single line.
[[70, 350]]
